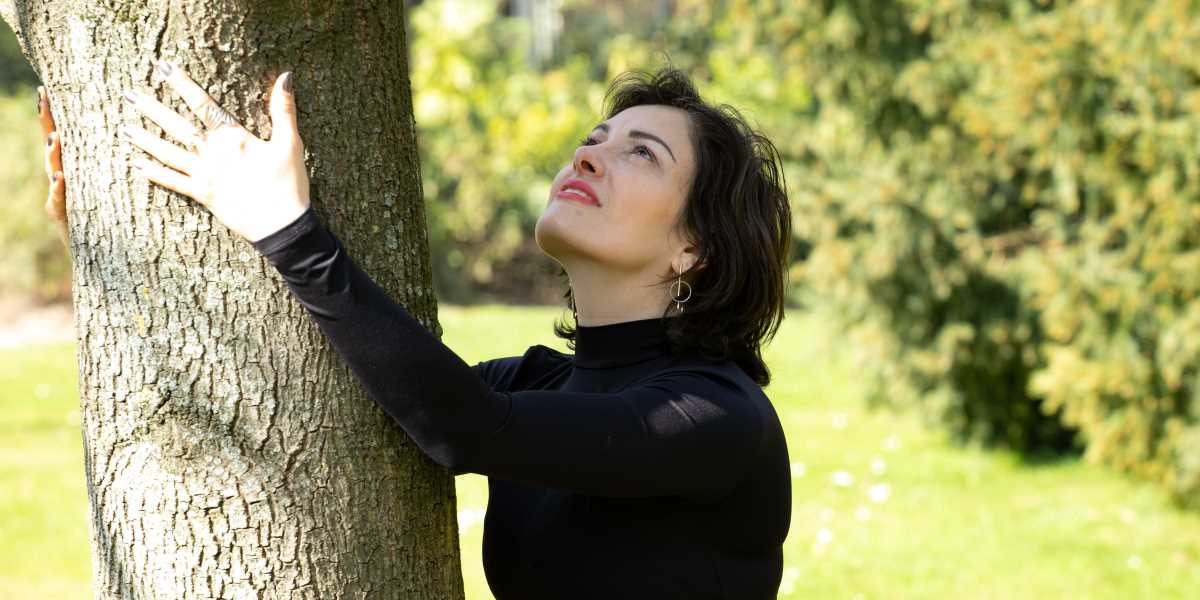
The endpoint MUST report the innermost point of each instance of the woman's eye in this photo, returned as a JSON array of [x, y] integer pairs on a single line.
[[640, 150]]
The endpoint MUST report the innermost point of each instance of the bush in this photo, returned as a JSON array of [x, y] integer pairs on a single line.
[[1022, 248]]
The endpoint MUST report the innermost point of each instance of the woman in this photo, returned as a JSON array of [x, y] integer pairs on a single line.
[[649, 463]]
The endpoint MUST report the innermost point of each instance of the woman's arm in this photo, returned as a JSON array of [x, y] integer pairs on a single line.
[[683, 433], [440, 401]]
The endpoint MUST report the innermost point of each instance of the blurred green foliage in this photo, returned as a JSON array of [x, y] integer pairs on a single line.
[[1002, 197], [15, 72], [492, 133], [33, 260]]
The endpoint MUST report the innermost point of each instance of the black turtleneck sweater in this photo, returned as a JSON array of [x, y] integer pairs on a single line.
[[621, 471]]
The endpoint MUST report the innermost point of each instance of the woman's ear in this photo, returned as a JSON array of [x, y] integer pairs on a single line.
[[687, 260], [687, 249]]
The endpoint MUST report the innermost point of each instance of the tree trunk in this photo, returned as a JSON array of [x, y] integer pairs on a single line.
[[229, 451]]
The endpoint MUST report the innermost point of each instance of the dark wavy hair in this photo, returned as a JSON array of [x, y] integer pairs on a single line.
[[736, 211]]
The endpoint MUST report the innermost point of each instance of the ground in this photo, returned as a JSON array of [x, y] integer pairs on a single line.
[[23, 322]]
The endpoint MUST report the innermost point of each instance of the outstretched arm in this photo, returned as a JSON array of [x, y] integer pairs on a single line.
[[442, 404], [682, 433]]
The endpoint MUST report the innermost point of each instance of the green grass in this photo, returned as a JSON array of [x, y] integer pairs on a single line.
[[43, 502], [953, 523]]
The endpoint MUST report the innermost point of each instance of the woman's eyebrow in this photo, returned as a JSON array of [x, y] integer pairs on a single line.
[[637, 133]]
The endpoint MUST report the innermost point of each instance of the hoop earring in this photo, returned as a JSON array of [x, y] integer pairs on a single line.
[[677, 287]]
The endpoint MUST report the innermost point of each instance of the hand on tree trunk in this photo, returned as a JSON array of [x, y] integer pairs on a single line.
[[254, 186], [56, 197]]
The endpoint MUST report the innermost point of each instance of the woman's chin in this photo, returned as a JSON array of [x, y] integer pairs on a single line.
[[565, 235], [551, 235], [558, 229]]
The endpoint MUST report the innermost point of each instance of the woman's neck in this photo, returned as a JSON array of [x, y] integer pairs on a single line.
[[603, 297]]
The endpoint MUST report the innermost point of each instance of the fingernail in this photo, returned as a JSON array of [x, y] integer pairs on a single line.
[[164, 67], [287, 82], [130, 96]]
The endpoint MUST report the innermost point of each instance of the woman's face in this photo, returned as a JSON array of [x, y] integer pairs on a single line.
[[637, 168]]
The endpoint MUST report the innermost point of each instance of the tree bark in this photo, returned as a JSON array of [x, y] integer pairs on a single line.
[[229, 452]]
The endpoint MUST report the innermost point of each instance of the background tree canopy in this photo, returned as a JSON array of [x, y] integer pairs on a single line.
[[999, 197]]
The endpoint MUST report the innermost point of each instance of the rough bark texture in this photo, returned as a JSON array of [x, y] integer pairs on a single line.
[[229, 451]]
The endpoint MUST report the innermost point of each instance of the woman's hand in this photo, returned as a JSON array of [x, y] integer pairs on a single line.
[[56, 198], [254, 187]]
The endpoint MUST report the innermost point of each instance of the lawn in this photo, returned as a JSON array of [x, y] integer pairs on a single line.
[[882, 508]]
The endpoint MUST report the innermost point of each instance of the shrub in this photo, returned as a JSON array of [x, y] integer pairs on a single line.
[[1023, 241]]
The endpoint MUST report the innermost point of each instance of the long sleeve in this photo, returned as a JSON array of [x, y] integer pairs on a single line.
[[680, 432]]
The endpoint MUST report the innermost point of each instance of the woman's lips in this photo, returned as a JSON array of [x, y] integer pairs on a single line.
[[579, 191]]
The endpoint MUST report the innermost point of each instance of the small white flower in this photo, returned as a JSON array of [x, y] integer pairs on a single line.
[[1134, 562], [879, 493], [798, 469], [842, 478]]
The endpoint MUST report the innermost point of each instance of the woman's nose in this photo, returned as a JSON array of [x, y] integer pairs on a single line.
[[587, 160]]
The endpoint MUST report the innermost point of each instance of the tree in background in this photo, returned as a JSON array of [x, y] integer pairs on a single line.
[[1001, 197], [228, 451]]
